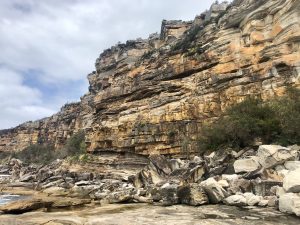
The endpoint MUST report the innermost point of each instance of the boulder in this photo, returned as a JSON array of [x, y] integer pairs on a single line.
[[239, 185], [195, 174], [272, 201], [291, 182], [292, 165], [280, 191], [215, 192], [252, 199], [246, 165], [235, 200], [230, 177], [263, 203], [120, 196], [176, 164], [264, 187], [272, 155], [168, 194], [192, 194], [223, 183], [290, 203], [56, 191], [160, 163]]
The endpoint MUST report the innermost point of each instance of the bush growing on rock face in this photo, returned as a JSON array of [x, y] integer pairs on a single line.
[[186, 42], [75, 144], [277, 121], [287, 111], [37, 153], [45, 153]]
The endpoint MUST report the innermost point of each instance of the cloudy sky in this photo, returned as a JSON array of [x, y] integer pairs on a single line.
[[47, 47]]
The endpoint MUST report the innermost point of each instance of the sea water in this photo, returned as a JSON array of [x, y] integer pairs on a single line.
[[6, 198]]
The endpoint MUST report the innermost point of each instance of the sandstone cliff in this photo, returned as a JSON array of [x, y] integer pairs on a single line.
[[151, 96]]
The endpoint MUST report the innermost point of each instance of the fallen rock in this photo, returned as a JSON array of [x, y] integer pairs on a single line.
[[280, 191], [290, 203], [160, 163], [120, 196], [291, 182], [264, 187], [195, 174], [292, 165], [192, 194], [240, 185], [175, 164], [235, 200], [263, 203], [223, 183], [272, 201], [272, 155], [215, 192], [168, 194], [56, 191], [252, 199], [142, 199], [246, 165]]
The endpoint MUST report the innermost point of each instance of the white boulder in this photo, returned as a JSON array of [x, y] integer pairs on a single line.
[[290, 203], [215, 192], [246, 165], [280, 191], [272, 155], [236, 200], [292, 165], [252, 199], [291, 182]]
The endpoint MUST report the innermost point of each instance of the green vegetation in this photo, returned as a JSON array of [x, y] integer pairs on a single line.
[[75, 145], [148, 54], [171, 136], [276, 121], [75, 148], [37, 153], [187, 41]]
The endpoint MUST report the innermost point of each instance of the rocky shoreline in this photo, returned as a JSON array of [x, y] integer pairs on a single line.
[[266, 178]]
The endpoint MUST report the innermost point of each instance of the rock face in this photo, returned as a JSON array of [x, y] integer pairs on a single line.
[[151, 96]]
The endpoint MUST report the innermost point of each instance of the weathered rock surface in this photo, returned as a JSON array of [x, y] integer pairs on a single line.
[[25, 206], [145, 214], [147, 96]]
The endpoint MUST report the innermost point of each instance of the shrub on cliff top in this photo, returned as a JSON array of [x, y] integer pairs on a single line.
[[277, 121]]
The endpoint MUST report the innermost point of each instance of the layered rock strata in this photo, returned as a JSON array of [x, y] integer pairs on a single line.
[[151, 96]]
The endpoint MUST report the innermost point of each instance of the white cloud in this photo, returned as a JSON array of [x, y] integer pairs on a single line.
[[61, 39], [18, 103]]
